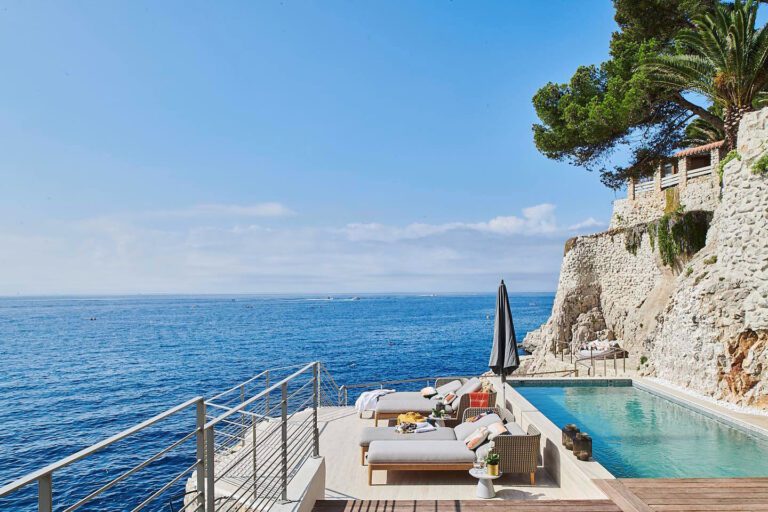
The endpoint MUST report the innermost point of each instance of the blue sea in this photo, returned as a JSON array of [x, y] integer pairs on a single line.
[[77, 370]]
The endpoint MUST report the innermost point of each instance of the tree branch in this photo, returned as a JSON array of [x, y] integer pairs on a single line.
[[699, 111]]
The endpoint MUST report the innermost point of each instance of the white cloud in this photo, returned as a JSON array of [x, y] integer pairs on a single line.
[[265, 210], [140, 254], [536, 220], [591, 222]]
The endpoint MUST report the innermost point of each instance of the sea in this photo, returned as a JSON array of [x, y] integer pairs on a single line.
[[76, 370]]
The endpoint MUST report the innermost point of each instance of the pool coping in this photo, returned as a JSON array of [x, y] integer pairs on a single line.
[[708, 410]]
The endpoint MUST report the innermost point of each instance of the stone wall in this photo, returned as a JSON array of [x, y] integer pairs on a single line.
[[603, 286], [703, 326], [713, 335], [699, 193]]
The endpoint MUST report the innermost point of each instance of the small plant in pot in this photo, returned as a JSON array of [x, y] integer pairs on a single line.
[[492, 464]]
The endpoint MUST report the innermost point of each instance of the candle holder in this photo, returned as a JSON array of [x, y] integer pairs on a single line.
[[569, 432], [582, 445]]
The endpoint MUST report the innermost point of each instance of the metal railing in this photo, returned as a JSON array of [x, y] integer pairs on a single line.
[[244, 447], [699, 171], [670, 180], [644, 186], [613, 354], [45, 477]]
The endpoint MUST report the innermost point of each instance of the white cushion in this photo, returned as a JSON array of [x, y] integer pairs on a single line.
[[476, 438], [470, 386], [462, 430], [449, 387]]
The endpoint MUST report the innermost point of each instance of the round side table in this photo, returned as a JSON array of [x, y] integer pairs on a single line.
[[484, 483]]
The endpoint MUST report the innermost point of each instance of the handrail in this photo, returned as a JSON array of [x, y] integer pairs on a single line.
[[261, 394], [35, 475]]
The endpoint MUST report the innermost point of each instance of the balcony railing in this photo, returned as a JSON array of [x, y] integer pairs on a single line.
[[244, 446]]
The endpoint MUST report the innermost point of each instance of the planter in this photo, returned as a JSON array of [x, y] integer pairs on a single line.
[[582, 445], [492, 469]]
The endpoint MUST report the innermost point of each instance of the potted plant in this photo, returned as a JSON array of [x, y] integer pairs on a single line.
[[436, 415], [492, 463]]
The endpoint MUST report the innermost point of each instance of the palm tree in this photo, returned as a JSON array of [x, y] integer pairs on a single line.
[[724, 59]]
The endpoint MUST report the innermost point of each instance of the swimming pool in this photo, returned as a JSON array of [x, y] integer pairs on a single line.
[[636, 434]]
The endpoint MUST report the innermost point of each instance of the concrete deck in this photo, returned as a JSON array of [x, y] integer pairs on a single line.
[[347, 479]]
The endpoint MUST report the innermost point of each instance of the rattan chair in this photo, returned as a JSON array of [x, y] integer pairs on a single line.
[[517, 453]]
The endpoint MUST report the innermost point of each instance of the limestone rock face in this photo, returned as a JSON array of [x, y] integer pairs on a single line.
[[704, 326]]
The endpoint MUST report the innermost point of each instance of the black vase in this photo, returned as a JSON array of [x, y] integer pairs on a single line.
[[582, 446], [569, 432]]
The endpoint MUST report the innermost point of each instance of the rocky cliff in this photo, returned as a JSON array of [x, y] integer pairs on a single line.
[[702, 322]]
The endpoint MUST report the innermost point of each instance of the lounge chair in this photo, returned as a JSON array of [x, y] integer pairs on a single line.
[[518, 450], [392, 405]]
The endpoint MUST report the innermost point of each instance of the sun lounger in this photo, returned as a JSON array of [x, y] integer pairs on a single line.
[[518, 450], [392, 405], [371, 434]]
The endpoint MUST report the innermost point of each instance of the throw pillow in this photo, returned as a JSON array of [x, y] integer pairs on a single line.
[[428, 392], [476, 438], [449, 398], [495, 430]]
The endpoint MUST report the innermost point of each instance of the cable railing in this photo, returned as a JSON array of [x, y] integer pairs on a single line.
[[238, 452], [189, 442]]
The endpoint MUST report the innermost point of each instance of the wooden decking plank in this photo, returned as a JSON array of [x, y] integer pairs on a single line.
[[622, 496], [466, 506]]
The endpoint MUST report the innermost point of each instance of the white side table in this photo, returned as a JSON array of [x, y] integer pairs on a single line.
[[484, 483]]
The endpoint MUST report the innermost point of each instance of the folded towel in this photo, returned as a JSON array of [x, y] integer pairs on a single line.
[[426, 428], [367, 400], [479, 399]]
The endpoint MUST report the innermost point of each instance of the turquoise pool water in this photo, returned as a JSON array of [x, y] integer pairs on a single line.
[[639, 435]]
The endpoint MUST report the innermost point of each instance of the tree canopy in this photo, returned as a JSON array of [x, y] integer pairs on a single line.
[[620, 105]]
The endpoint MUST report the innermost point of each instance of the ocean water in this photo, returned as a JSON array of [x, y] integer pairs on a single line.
[[77, 370], [636, 434]]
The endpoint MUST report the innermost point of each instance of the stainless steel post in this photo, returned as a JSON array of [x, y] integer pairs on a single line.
[[266, 398], [316, 403], [200, 442], [45, 493], [254, 454], [615, 369], [284, 417], [210, 484]]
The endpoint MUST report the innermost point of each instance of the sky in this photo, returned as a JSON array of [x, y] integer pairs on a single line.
[[287, 146]]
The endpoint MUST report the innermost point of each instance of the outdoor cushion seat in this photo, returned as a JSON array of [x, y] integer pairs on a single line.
[[402, 395], [515, 429], [371, 434], [401, 405], [424, 452], [462, 430]]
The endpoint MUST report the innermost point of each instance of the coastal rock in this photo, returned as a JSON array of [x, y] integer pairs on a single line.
[[703, 326]]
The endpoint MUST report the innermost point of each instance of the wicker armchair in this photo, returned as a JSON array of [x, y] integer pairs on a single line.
[[457, 416], [517, 453]]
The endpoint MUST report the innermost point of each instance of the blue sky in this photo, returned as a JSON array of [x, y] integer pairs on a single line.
[[336, 146]]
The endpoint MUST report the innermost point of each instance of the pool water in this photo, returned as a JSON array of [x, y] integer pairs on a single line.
[[636, 434]]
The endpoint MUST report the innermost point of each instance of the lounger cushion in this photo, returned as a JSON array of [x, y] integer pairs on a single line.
[[399, 395], [420, 404], [515, 429], [449, 387], [371, 434], [462, 430], [422, 452], [470, 386]]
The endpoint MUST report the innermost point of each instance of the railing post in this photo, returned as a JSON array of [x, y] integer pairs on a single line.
[[266, 386], [210, 484], [45, 493], [315, 405], [243, 418], [200, 442], [615, 369], [605, 366], [255, 456], [284, 429]]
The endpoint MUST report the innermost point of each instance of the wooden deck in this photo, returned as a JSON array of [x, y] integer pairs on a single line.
[[465, 506], [625, 495]]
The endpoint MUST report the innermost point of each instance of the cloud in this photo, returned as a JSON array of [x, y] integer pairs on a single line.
[[591, 222], [265, 210], [236, 255], [535, 220]]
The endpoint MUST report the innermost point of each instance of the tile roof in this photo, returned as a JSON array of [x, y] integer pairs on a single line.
[[706, 148]]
